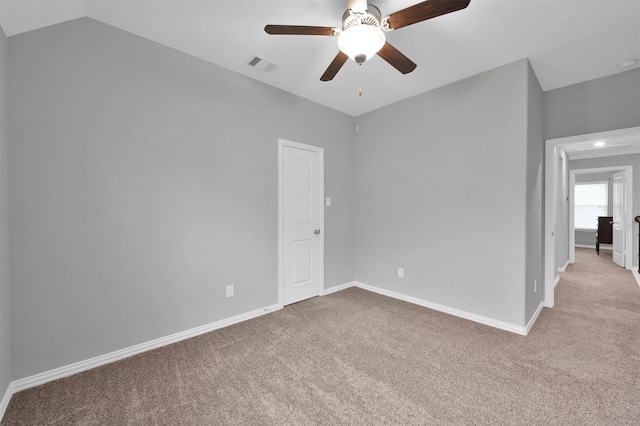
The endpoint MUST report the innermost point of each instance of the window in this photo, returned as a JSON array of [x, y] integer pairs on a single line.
[[590, 202]]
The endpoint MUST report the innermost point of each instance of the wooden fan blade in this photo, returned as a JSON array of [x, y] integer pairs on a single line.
[[298, 30], [397, 59], [334, 67], [359, 6], [423, 11]]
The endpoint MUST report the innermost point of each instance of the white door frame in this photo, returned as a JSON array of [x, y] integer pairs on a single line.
[[550, 207], [628, 233], [282, 143]]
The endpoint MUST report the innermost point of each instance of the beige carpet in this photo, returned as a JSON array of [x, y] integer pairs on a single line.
[[355, 357]]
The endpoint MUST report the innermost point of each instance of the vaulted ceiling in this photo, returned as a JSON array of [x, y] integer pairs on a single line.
[[567, 41]]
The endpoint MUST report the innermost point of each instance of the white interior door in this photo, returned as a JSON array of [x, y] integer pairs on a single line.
[[619, 221], [303, 240]]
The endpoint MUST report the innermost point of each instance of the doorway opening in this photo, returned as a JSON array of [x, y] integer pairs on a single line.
[[625, 236], [557, 197]]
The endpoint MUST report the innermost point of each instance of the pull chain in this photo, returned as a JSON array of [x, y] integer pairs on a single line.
[[358, 98]]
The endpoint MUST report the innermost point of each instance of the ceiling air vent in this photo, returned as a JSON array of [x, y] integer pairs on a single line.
[[261, 64]]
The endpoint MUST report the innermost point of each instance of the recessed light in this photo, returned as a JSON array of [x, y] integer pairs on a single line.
[[627, 64], [599, 143]]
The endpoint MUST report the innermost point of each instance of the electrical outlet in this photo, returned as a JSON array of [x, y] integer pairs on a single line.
[[328, 202], [400, 272], [230, 290], [535, 286]]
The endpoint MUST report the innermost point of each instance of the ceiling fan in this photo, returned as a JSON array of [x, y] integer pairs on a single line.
[[362, 32]]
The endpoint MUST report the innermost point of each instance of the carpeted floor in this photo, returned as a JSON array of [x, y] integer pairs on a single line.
[[355, 357]]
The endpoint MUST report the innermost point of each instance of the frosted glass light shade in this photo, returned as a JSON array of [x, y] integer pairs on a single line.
[[361, 42]]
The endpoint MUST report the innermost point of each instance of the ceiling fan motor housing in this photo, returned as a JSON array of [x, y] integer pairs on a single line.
[[372, 17], [361, 36]]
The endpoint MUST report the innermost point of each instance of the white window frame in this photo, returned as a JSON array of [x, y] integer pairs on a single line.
[[606, 186]]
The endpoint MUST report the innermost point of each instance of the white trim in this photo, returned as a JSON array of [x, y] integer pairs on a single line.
[[585, 246], [549, 209], [609, 134], [556, 281], [564, 267], [337, 288], [78, 367], [572, 209], [446, 309], [287, 143], [572, 219], [5, 400], [636, 275], [280, 222], [628, 235], [442, 308], [593, 182], [534, 317], [549, 222], [602, 246]]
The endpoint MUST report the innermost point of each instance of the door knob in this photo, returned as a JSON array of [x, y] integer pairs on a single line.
[[317, 231]]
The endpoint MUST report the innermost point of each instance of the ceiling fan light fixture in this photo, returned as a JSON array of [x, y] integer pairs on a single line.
[[361, 42], [362, 37]]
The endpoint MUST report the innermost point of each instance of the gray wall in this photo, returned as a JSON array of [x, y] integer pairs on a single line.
[[440, 191], [614, 161], [535, 172], [5, 355], [142, 182], [606, 103], [584, 237]]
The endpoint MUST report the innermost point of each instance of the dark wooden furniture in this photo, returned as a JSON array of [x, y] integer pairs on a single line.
[[638, 220], [604, 234]]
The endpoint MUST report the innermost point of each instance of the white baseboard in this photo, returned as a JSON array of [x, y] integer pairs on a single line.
[[78, 367], [5, 400], [447, 310], [602, 246], [534, 317], [556, 281], [68, 370], [337, 288], [442, 308], [636, 274], [564, 267]]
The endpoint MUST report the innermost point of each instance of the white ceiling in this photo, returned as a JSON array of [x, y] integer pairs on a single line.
[[567, 41], [620, 142]]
